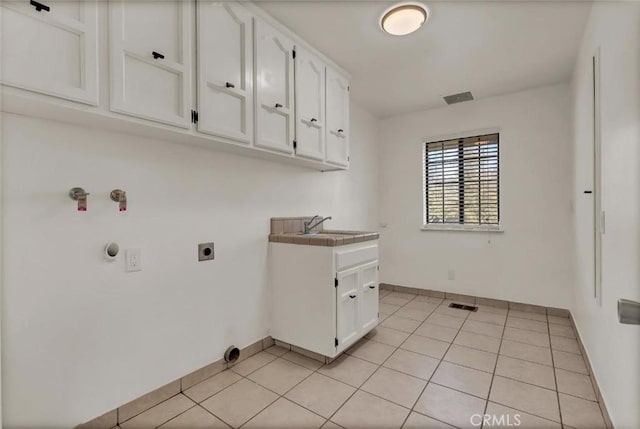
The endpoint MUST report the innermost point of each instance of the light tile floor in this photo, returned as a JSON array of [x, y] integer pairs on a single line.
[[425, 366]]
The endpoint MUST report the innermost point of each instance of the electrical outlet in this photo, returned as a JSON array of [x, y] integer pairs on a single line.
[[452, 274], [206, 252], [133, 260]]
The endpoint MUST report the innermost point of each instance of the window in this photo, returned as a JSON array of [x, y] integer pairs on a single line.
[[462, 181]]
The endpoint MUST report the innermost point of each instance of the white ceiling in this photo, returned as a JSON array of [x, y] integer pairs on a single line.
[[488, 48]]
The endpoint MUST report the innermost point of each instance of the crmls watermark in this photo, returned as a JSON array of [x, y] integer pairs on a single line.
[[493, 420]]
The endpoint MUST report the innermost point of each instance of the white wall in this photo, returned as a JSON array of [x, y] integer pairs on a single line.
[[79, 335], [530, 261], [614, 349]]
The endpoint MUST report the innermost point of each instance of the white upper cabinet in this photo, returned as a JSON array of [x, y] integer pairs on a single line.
[[310, 106], [274, 88], [337, 119], [225, 71], [150, 60], [51, 47]]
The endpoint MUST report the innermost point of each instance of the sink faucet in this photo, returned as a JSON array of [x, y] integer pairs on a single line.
[[312, 223]]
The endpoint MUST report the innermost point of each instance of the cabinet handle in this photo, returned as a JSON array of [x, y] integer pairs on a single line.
[[314, 120], [229, 85], [341, 130], [157, 55], [352, 296], [39, 6], [372, 287]]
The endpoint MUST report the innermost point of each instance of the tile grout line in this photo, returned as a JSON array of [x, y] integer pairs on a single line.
[[178, 415], [556, 391], [379, 366], [434, 371], [498, 354], [495, 367], [555, 380], [282, 396], [264, 387]]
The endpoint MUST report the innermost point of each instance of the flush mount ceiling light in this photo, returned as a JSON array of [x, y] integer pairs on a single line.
[[404, 18]]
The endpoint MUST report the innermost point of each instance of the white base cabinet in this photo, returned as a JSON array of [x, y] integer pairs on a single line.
[[324, 298]]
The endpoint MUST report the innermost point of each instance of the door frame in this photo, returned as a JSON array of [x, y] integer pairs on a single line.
[[598, 213]]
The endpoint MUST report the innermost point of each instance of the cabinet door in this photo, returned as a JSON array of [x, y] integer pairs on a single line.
[[52, 51], [337, 119], [310, 109], [274, 88], [225, 70], [151, 60], [348, 323], [369, 296]]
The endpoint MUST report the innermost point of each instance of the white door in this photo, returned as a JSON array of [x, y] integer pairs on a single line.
[[369, 296], [347, 326], [274, 88], [150, 51], [51, 47], [225, 71], [310, 108], [337, 119]]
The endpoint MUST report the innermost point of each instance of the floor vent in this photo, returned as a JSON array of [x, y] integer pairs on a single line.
[[463, 307]]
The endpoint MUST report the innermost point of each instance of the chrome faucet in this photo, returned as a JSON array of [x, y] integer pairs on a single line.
[[309, 225]]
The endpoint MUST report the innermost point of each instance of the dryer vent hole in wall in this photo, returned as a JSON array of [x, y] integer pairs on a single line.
[[463, 307]]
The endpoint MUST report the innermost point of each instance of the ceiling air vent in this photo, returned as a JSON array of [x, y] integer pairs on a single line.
[[458, 98]]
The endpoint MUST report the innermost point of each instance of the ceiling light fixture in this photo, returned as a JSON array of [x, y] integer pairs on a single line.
[[404, 18]]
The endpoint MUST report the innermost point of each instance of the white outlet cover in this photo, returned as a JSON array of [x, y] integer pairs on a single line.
[[133, 260]]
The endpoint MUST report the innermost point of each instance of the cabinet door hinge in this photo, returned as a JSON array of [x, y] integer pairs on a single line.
[[335, 342], [348, 159], [295, 144], [348, 89], [194, 116], [378, 267], [336, 282], [293, 53]]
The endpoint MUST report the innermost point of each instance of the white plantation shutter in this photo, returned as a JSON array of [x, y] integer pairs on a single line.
[[462, 181]]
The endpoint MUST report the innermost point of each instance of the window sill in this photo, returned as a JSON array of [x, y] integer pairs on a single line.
[[462, 228]]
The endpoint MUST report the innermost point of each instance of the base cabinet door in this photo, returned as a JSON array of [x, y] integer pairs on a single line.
[[369, 296], [225, 70], [356, 302], [273, 88], [310, 105], [348, 318], [337, 90], [150, 60], [51, 47]]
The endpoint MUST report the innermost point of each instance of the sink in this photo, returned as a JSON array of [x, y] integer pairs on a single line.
[[330, 233], [328, 238]]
